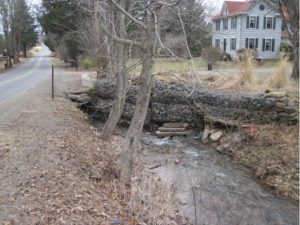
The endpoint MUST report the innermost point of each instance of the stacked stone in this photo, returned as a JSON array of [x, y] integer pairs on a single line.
[[176, 102]]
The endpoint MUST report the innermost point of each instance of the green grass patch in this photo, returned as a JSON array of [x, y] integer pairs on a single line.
[[88, 63]]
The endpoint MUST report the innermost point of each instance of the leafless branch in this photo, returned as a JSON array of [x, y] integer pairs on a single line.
[[141, 24]]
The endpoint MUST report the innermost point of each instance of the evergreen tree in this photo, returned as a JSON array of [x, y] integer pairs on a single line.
[[60, 19]]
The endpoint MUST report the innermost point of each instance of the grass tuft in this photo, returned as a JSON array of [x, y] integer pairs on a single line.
[[280, 78], [248, 76]]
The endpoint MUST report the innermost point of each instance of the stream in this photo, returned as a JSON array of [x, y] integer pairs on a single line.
[[213, 190]]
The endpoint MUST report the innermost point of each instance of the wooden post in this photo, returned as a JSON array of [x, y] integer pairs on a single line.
[[52, 81]]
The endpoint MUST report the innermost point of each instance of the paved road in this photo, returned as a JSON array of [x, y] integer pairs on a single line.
[[17, 81]]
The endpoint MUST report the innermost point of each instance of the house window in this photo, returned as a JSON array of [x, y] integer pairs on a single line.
[[252, 21], [233, 44], [251, 43], [217, 43], [225, 24], [269, 22], [233, 22], [218, 25], [268, 45]]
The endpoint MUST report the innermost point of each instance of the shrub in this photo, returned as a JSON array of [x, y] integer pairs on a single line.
[[227, 57], [287, 51], [212, 55]]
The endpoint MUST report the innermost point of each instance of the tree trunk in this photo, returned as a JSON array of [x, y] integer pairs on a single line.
[[25, 51], [291, 7], [125, 160], [122, 81], [295, 72], [98, 67]]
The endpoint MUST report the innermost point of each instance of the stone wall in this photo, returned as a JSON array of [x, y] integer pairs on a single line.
[[173, 102]]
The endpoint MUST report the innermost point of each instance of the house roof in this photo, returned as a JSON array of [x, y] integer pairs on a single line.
[[235, 8]]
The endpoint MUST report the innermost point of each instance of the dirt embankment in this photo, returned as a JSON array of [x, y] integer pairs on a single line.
[[271, 151], [54, 169]]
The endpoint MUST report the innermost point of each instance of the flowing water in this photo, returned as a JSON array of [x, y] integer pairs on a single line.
[[212, 189]]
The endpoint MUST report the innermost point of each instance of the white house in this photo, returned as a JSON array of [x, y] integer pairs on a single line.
[[251, 24]]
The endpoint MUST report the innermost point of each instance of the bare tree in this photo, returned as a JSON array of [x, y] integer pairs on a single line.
[[121, 74], [146, 25], [7, 24], [143, 20], [94, 43], [149, 29], [16, 20], [289, 10]]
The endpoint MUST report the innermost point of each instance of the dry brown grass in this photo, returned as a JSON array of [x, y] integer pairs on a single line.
[[248, 77], [152, 202], [280, 78]]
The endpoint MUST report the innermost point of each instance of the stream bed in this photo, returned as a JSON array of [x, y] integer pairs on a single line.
[[212, 189]]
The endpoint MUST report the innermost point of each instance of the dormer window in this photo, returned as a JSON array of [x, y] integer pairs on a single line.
[[226, 10]]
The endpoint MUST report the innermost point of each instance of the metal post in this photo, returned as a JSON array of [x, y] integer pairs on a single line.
[[52, 81]]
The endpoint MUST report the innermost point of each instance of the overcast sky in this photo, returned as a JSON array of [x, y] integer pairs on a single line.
[[216, 4]]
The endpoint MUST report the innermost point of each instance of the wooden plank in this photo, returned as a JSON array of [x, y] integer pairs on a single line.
[[176, 125], [164, 129], [170, 134]]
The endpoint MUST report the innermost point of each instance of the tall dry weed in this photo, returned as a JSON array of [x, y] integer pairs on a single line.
[[248, 76], [280, 78]]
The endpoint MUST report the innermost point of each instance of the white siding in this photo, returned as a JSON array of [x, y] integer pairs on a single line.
[[242, 32], [228, 34], [262, 33]]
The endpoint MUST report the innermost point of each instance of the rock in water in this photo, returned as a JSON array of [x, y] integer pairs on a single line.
[[216, 135]]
